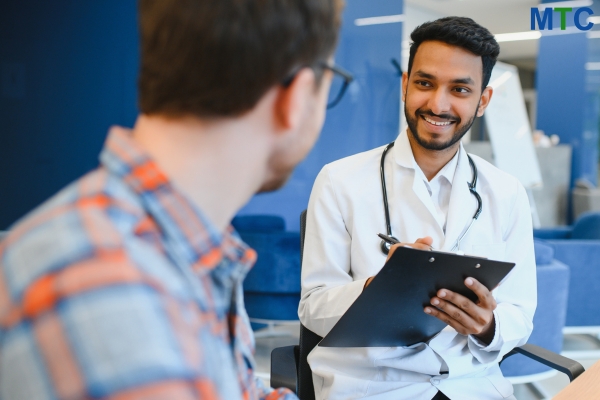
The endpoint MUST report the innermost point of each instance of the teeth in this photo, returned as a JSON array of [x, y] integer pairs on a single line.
[[437, 123]]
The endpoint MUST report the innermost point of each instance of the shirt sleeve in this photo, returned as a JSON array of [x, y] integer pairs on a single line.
[[102, 330], [267, 393]]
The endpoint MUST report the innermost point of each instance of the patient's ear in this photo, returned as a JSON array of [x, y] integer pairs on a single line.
[[292, 100]]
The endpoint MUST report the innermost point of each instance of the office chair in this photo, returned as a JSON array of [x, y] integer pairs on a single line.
[[290, 369]]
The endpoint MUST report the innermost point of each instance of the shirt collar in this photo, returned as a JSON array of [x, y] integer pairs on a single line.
[[449, 169], [404, 157], [185, 227]]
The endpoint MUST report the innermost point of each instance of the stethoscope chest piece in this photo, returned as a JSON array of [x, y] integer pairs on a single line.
[[385, 246]]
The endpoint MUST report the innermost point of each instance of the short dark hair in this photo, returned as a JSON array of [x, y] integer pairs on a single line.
[[217, 58], [462, 32]]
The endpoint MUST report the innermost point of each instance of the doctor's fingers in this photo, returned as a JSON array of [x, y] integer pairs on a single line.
[[419, 246], [463, 310], [455, 317], [427, 240], [416, 245], [486, 299]]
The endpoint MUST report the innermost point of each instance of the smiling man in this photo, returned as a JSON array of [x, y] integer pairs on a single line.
[[437, 197]]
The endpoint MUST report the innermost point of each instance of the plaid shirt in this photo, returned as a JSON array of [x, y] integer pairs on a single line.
[[119, 288]]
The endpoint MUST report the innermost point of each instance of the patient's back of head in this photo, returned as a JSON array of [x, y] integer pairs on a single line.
[[217, 58]]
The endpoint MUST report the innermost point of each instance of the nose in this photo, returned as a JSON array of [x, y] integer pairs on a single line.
[[439, 102]]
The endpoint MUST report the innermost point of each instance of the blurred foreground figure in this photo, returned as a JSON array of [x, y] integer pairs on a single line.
[[128, 283]]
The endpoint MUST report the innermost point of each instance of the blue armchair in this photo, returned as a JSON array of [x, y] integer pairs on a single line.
[[549, 318], [272, 287], [579, 247], [587, 227]]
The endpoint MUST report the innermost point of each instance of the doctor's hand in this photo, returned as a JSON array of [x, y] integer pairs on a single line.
[[463, 315], [421, 244]]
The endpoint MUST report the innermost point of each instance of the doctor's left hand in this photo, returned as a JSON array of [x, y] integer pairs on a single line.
[[463, 315]]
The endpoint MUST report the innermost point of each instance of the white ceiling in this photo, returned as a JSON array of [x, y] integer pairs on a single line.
[[499, 16]]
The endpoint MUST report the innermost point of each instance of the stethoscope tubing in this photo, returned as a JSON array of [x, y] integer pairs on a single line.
[[384, 189], [472, 188]]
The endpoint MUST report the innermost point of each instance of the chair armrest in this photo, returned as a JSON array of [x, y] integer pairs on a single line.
[[563, 364], [284, 368], [558, 232]]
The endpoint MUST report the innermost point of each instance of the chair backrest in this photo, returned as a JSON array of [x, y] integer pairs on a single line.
[[549, 318], [308, 339], [278, 264], [587, 226]]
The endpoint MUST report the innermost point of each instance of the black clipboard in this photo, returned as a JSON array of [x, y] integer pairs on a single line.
[[389, 312]]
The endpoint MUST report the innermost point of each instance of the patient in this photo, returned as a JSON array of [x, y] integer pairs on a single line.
[[128, 283]]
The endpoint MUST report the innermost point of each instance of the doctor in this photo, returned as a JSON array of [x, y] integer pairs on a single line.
[[427, 173]]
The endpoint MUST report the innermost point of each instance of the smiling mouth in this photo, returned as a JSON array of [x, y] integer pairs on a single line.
[[437, 123]]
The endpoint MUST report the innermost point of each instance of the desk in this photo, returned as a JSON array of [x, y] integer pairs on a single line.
[[586, 386]]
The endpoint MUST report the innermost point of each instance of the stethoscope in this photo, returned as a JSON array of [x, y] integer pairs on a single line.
[[385, 246]]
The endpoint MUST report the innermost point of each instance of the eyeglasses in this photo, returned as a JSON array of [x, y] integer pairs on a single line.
[[339, 84]]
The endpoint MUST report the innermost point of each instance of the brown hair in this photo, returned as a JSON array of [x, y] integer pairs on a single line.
[[217, 58]]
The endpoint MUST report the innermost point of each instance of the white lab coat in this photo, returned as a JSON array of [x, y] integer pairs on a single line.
[[345, 213]]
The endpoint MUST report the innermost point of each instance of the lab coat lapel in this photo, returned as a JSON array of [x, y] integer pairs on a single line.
[[421, 191], [404, 157], [462, 203]]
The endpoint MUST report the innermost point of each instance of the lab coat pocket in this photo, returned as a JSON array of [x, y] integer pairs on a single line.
[[496, 251]]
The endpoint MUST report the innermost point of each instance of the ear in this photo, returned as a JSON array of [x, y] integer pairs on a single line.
[[486, 96], [292, 100], [404, 86]]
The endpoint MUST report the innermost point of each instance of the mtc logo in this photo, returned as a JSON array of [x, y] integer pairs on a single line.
[[546, 19]]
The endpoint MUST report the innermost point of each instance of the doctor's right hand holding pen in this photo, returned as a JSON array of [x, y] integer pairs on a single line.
[[421, 244]]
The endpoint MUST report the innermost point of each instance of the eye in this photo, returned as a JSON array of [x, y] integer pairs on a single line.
[[423, 83], [462, 90]]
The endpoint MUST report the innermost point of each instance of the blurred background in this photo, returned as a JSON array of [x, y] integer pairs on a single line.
[[68, 71]]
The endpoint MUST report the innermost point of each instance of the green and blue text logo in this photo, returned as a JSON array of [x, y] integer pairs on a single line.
[[545, 20]]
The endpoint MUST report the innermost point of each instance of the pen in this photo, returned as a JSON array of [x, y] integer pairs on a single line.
[[392, 241], [388, 239]]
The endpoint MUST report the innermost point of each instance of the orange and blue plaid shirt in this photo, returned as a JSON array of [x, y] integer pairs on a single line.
[[119, 288]]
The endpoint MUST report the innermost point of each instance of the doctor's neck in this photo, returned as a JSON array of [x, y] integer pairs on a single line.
[[431, 161]]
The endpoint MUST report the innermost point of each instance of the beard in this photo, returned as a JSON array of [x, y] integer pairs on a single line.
[[461, 129], [280, 170]]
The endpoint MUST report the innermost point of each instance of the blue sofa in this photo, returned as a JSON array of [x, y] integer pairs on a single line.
[[272, 287], [549, 318], [578, 246]]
